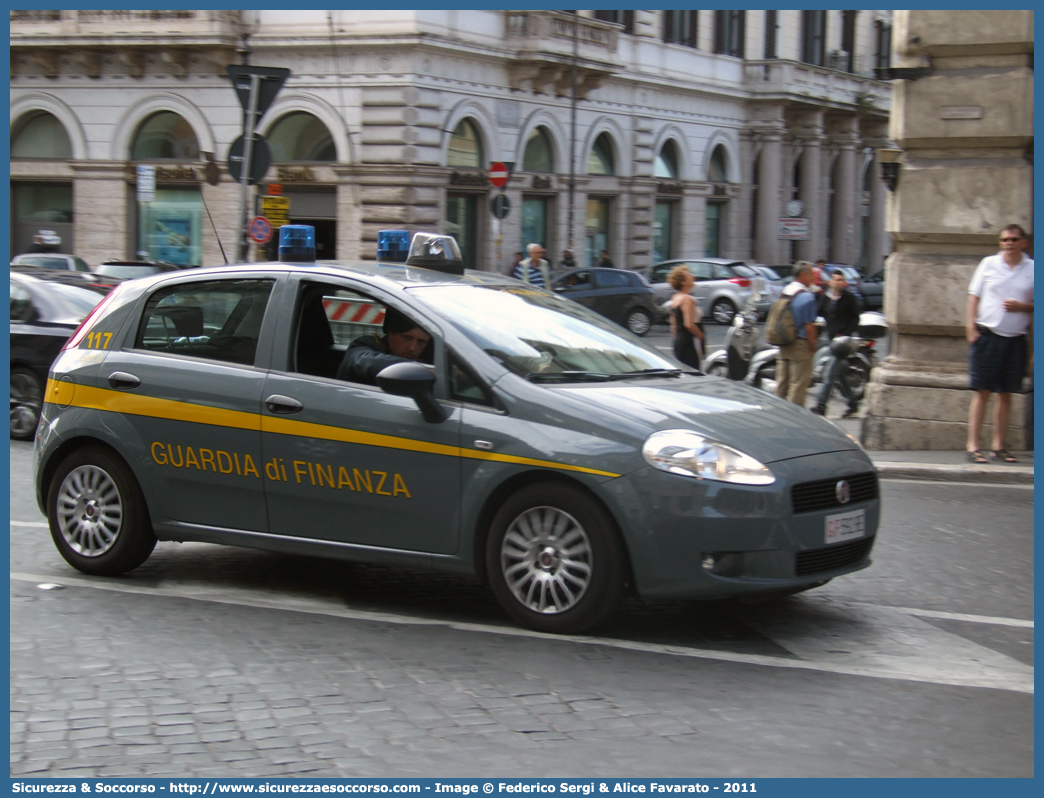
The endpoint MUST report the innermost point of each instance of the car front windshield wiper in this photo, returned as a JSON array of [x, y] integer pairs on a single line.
[[569, 376], [650, 373]]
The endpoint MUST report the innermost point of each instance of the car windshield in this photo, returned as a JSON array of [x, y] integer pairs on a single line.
[[543, 337], [74, 302], [44, 262], [127, 272]]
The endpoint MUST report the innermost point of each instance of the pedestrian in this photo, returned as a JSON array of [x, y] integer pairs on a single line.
[[819, 274], [534, 269], [44, 241], [686, 315], [998, 318], [794, 361], [516, 259], [604, 261], [568, 261], [840, 308]]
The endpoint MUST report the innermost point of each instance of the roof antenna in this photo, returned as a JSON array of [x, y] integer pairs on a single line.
[[213, 176]]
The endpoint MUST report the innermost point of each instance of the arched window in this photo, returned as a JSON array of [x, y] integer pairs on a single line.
[[718, 171], [600, 159], [40, 135], [667, 162], [539, 157], [301, 136], [465, 147], [165, 135]]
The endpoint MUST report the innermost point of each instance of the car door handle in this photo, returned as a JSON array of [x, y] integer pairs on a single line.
[[121, 380], [277, 403]]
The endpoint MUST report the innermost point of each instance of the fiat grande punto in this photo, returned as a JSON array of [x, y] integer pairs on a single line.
[[533, 443]]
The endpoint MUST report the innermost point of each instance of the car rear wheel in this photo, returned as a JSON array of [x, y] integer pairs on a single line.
[[723, 311], [97, 514], [26, 403], [639, 321], [553, 559]]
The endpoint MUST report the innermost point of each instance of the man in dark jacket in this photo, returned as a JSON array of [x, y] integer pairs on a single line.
[[403, 341], [840, 308]]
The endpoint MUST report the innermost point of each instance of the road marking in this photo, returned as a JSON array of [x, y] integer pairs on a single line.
[[823, 635], [952, 483], [33, 524]]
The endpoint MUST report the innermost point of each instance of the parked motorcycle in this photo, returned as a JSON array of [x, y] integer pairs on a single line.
[[858, 351], [742, 340]]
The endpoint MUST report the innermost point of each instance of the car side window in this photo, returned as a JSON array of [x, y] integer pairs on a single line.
[[465, 386], [576, 281], [701, 271], [660, 273], [613, 279], [329, 319], [21, 304], [215, 319], [722, 272], [81, 265]]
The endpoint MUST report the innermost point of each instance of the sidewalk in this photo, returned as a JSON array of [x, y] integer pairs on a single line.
[[947, 466]]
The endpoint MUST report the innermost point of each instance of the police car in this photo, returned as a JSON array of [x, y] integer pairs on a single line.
[[537, 444]]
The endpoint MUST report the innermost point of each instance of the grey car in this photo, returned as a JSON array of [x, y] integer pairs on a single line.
[[535, 445], [720, 290], [57, 261], [618, 294], [873, 290]]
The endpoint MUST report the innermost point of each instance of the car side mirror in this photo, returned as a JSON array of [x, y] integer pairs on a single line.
[[417, 382]]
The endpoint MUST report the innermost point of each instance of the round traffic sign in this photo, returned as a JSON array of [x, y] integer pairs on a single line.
[[260, 230], [260, 159], [500, 206], [498, 174]]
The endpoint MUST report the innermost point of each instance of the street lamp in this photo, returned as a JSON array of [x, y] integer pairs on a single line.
[[889, 159]]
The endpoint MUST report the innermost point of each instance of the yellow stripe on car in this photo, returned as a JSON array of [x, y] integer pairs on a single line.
[[136, 405]]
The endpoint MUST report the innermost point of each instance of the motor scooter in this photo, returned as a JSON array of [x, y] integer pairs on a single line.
[[742, 340], [857, 350]]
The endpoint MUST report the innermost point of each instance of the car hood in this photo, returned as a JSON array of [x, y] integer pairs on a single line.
[[753, 421]]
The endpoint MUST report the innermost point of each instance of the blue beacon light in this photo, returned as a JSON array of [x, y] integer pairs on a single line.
[[297, 243]]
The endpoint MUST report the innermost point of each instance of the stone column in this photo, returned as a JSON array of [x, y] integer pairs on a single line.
[[101, 192], [966, 132], [846, 134], [809, 129], [874, 135], [768, 122]]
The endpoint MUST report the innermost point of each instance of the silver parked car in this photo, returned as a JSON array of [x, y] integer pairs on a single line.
[[773, 285], [57, 261], [720, 290]]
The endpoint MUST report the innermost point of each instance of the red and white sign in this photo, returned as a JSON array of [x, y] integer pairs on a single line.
[[794, 228], [353, 312], [498, 174], [259, 230]]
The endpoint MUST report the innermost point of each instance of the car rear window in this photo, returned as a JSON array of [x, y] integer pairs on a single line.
[[127, 272], [613, 279], [214, 319], [60, 264]]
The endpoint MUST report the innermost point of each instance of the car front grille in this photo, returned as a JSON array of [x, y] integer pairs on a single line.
[[809, 497], [827, 559]]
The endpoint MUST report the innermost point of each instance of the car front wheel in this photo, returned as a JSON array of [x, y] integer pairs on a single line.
[[553, 559], [723, 311], [639, 321], [26, 403], [97, 514]]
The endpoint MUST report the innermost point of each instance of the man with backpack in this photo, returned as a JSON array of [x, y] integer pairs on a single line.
[[791, 326]]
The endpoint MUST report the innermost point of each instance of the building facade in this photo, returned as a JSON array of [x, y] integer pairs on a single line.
[[649, 134]]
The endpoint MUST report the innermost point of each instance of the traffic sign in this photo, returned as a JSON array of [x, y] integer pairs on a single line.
[[276, 210], [498, 175], [501, 206], [260, 159], [271, 81], [260, 231]]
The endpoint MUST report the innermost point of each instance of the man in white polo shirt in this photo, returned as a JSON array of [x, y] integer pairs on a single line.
[[1000, 310]]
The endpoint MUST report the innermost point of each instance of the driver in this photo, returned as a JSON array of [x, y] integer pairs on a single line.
[[403, 341]]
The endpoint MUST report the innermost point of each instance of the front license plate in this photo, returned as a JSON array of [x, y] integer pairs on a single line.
[[845, 526]]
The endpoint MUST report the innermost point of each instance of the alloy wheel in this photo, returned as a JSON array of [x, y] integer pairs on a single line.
[[89, 510]]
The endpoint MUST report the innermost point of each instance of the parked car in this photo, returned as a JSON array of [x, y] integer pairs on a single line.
[[873, 290], [618, 294], [101, 283], [541, 448], [130, 269], [56, 261], [44, 313], [720, 290], [854, 281], [773, 285]]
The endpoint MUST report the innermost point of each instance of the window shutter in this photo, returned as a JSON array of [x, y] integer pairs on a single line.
[[771, 22], [668, 25]]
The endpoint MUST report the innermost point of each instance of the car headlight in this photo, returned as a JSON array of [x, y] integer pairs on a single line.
[[683, 452]]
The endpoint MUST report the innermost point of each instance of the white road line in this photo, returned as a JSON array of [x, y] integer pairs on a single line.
[[954, 483], [827, 636], [33, 524]]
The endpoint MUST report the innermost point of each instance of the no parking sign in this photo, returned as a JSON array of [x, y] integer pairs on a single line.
[[260, 230]]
